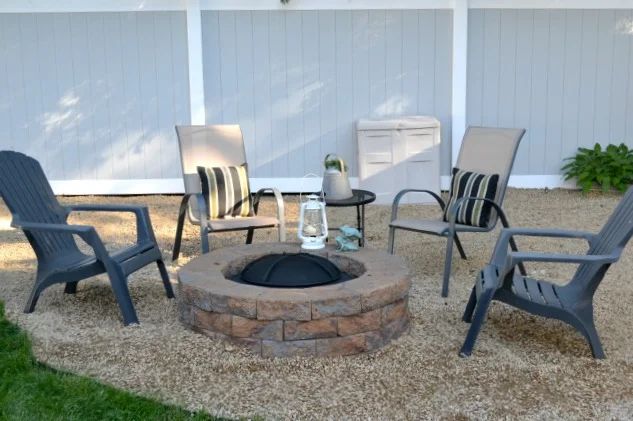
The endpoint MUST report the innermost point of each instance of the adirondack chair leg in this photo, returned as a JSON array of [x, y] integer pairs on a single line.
[[71, 287], [470, 307], [391, 240], [122, 293], [165, 277], [447, 265], [249, 236], [591, 334], [478, 320], [458, 244], [33, 297], [179, 228]]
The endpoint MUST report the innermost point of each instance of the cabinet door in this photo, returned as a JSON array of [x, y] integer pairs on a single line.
[[419, 168], [375, 155]]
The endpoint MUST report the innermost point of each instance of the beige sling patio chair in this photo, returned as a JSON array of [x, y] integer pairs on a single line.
[[217, 146], [484, 150]]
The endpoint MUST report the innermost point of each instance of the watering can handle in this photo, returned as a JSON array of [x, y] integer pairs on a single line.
[[301, 191]]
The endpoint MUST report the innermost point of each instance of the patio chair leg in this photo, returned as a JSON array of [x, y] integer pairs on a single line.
[[249, 236], [165, 277], [204, 239], [392, 238], [470, 307], [458, 243], [71, 287], [282, 232], [481, 309], [179, 228], [447, 265], [118, 281]]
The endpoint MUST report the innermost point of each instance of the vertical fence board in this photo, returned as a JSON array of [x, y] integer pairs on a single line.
[[296, 100], [311, 93], [490, 90], [279, 95], [410, 62], [571, 84], [211, 67], [327, 76], [262, 93], [345, 82]]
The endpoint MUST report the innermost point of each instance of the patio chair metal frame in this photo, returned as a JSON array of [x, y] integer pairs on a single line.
[[36, 211], [193, 202], [450, 229]]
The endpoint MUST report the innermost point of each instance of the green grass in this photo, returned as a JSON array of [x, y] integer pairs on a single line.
[[32, 391]]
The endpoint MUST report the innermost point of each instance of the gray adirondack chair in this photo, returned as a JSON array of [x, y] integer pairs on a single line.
[[487, 150], [571, 303], [35, 209], [216, 146]]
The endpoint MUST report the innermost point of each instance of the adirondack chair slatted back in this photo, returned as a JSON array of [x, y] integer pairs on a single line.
[[207, 146], [615, 233], [28, 195], [490, 150]]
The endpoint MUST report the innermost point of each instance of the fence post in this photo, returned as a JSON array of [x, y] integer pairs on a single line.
[[196, 73], [460, 69]]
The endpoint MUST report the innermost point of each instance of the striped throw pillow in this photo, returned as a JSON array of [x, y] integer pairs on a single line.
[[226, 191], [475, 213]]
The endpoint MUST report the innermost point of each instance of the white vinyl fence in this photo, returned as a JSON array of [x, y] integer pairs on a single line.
[[93, 88]]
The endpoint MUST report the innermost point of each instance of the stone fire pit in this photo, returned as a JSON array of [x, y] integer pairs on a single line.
[[357, 315]]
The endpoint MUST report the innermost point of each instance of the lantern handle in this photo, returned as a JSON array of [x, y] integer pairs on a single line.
[[301, 191]]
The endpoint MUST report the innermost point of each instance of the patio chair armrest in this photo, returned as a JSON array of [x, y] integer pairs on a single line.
[[86, 232], [144, 230], [518, 257], [278, 198], [202, 208], [458, 203], [401, 193]]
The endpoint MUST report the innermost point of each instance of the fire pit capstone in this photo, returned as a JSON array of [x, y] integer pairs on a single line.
[[346, 317]]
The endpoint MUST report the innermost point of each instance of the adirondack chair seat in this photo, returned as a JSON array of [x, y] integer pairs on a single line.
[[571, 303], [232, 224], [37, 212], [80, 265], [432, 226], [524, 292]]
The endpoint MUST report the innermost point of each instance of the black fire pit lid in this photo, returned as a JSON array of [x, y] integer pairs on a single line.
[[290, 270]]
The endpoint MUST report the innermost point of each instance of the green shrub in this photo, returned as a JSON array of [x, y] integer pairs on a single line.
[[608, 168]]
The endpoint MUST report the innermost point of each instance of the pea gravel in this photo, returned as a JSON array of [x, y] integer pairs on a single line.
[[523, 367]]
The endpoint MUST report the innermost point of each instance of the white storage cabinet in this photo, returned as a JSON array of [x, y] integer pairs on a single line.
[[397, 154]]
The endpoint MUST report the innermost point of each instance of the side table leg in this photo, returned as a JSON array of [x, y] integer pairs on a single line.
[[360, 223]]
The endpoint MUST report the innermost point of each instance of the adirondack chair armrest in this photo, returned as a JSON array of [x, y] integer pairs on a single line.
[[458, 203], [396, 200], [278, 197], [86, 232], [507, 233], [144, 230], [518, 257]]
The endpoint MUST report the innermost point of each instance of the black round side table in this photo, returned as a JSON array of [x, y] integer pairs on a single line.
[[359, 199]]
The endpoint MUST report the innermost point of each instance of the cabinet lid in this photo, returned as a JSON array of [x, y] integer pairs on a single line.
[[413, 122]]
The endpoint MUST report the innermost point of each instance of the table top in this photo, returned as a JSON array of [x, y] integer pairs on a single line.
[[359, 197]]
